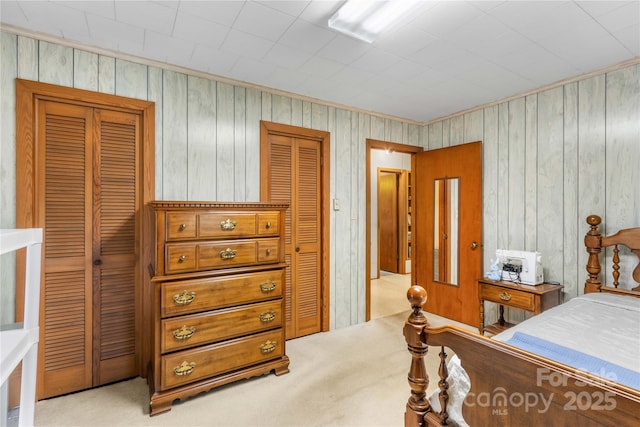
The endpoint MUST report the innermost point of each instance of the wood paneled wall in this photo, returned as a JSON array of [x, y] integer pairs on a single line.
[[550, 158]]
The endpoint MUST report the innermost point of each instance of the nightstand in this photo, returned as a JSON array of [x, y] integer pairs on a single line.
[[534, 299]]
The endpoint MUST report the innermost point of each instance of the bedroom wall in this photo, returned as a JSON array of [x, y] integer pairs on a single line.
[[550, 158], [207, 145]]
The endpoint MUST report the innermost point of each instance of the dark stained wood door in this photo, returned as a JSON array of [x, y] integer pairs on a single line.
[[432, 249], [388, 225]]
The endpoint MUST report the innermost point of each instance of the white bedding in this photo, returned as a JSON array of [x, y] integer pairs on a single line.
[[606, 326], [602, 325]]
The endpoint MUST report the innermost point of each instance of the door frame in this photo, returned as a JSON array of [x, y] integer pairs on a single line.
[[324, 139], [374, 144], [28, 94]]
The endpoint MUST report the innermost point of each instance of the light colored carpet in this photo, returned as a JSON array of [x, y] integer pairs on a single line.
[[355, 376], [389, 294]]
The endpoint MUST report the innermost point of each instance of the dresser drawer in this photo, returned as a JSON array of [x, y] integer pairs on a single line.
[[226, 225], [221, 225], [191, 365], [196, 256], [196, 295], [197, 329], [269, 223], [512, 297], [181, 225], [181, 257], [227, 254], [268, 251]]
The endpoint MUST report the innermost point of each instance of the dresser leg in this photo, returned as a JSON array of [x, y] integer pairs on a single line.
[[284, 368]]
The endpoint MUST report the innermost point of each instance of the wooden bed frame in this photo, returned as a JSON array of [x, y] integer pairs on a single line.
[[510, 386]]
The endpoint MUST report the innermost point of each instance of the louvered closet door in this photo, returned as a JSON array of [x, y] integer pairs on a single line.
[[87, 333], [114, 237], [295, 179], [64, 362]]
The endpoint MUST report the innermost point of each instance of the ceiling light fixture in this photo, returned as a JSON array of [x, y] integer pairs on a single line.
[[365, 20]]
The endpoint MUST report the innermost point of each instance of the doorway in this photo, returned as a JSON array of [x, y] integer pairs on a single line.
[[380, 283]]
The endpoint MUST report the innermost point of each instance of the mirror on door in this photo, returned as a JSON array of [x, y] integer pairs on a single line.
[[446, 230]]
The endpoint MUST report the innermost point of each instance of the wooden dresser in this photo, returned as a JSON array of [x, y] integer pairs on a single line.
[[218, 296]]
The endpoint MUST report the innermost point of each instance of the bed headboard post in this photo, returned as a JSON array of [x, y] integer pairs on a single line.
[[418, 404], [593, 243]]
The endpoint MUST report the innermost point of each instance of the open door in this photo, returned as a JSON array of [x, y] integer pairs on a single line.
[[448, 229], [388, 221]]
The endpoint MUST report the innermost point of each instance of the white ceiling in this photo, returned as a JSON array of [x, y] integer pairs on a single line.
[[446, 57]]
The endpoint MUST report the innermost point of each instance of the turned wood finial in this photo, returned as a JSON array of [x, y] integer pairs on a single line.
[[594, 221], [417, 296], [593, 242]]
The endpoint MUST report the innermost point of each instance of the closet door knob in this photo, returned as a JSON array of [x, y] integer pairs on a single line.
[[97, 262]]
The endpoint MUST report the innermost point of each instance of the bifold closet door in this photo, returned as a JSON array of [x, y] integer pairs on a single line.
[[295, 179], [87, 163]]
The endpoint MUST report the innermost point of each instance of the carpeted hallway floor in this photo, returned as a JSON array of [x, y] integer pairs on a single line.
[[355, 376]]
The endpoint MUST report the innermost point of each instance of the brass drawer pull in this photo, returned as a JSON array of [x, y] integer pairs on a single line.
[[227, 225], [505, 296], [184, 298], [228, 253], [268, 252], [185, 368], [268, 347], [268, 225], [268, 316], [182, 227], [182, 258], [185, 332], [268, 286]]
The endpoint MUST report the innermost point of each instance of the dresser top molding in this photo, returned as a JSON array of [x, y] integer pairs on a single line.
[[168, 204]]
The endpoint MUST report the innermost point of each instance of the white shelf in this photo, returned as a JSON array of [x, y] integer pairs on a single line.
[[20, 344]]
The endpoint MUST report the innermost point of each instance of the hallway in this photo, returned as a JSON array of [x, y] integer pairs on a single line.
[[389, 294]]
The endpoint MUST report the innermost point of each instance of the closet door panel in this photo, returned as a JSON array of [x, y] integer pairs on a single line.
[[114, 257], [295, 179], [281, 192], [66, 309], [308, 240]]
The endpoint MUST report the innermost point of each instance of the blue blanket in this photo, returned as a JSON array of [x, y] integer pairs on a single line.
[[576, 359]]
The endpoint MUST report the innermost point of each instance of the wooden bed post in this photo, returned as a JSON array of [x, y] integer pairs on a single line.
[[418, 405], [592, 241]]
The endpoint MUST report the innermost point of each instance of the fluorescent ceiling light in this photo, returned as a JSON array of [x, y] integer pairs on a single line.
[[365, 19]]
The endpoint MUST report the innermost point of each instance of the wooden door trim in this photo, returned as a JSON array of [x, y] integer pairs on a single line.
[[28, 95], [323, 137], [374, 144]]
